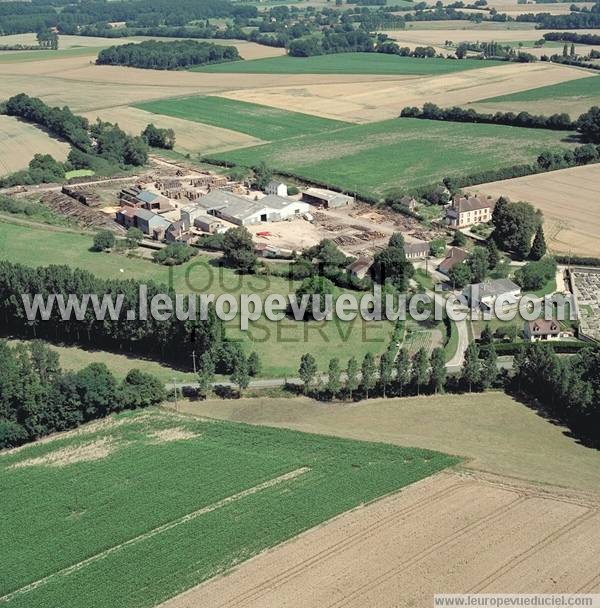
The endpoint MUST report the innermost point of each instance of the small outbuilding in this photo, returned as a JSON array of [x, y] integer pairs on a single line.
[[326, 198]]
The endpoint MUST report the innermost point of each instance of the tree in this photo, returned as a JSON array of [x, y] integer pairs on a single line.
[[478, 264], [588, 124], [493, 254], [262, 175], [140, 389], [402, 370], [459, 239], [134, 237], [352, 380], [486, 335], [420, 369], [334, 383], [514, 227], [460, 275], [391, 265], [105, 239], [318, 287], [368, 372], [437, 363], [307, 371], [489, 368], [206, 374], [386, 367], [538, 247], [397, 241], [159, 138], [238, 249], [254, 364], [240, 376], [471, 369]]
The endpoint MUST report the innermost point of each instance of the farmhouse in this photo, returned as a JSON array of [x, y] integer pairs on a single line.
[[153, 202], [541, 330], [360, 267], [484, 295], [453, 257], [151, 224], [415, 251], [277, 188], [326, 198], [207, 223], [468, 211], [126, 216]]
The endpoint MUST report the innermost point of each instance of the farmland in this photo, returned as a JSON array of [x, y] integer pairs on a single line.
[[569, 201], [19, 141], [192, 497], [400, 153], [262, 122], [279, 343], [574, 97], [347, 63]]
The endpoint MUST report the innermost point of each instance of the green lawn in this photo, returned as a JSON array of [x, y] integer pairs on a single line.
[[348, 63], [190, 496], [582, 87], [280, 344], [79, 173], [374, 158], [252, 119]]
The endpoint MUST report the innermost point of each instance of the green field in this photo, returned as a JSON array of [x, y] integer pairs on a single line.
[[371, 159], [583, 87], [266, 123], [348, 63], [26, 56], [154, 503], [280, 344]]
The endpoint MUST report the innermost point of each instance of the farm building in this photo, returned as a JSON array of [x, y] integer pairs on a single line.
[[243, 212], [410, 202], [484, 295], [453, 257], [153, 202], [326, 198], [277, 188], [468, 211], [207, 223], [415, 251], [151, 224], [542, 329], [126, 216], [360, 267]]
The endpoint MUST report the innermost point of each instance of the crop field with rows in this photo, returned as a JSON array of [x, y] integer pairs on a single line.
[[134, 509]]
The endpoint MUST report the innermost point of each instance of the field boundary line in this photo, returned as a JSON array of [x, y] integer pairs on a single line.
[[155, 531], [332, 550]]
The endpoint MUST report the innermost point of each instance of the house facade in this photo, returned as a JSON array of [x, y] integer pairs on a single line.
[[416, 251], [465, 211], [543, 330], [276, 188]]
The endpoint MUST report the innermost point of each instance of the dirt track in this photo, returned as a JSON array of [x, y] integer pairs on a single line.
[[450, 533]]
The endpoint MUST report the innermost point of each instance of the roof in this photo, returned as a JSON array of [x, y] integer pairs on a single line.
[[144, 214], [494, 288], [360, 264], [326, 195], [419, 247], [543, 327], [471, 203], [176, 226], [275, 184], [207, 219], [408, 200], [128, 211], [276, 202], [146, 197], [454, 256]]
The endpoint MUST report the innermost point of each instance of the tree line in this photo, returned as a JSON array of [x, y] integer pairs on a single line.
[[100, 140], [168, 340], [37, 397], [157, 55], [430, 111], [590, 39]]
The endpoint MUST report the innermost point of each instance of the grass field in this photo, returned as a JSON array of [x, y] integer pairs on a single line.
[[132, 510], [495, 433], [400, 153], [19, 141], [348, 63], [266, 123], [280, 344]]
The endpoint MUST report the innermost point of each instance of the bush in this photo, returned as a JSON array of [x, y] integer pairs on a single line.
[[104, 240], [174, 254], [12, 434]]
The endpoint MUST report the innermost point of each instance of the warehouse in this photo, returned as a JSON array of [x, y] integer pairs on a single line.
[[326, 198]]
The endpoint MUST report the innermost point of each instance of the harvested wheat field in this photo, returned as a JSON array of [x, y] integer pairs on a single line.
[[465, 31], [569, 201], [190, 136], [372, 101], [450, 533], [19, 141]]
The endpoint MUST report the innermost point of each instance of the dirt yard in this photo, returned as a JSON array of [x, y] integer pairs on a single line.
[[569, 201], [19, 141], [447, 534], [371, 101]]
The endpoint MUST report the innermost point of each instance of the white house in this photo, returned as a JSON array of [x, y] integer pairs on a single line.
[[542, 330], [276, 188]]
